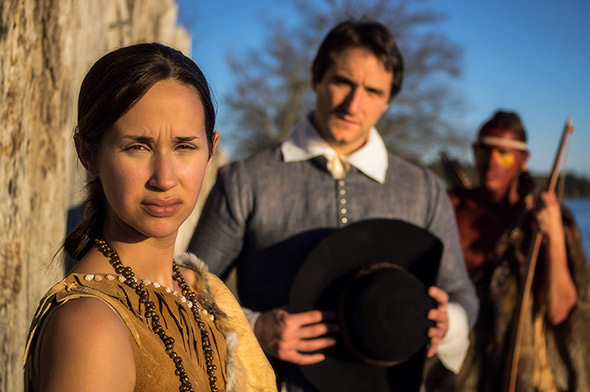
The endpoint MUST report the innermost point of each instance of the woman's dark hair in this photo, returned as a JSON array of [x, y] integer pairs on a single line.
[[370, 35], [113, 84], [511, 121]]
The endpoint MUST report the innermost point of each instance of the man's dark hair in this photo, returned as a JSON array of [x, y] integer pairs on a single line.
[[504, 120], [369, 35]]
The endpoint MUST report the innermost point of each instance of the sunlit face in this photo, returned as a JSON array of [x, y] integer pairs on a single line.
[[350, 98], [499, 166], [152, 162]]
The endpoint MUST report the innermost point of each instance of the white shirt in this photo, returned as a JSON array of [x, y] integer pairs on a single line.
[[304, 143]]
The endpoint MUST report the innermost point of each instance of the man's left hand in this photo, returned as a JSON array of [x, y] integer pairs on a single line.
[[441, 318]]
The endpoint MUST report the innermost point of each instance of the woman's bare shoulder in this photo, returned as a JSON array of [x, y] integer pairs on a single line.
[[86, 344]]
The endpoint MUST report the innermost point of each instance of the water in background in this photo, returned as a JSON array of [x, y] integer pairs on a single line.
[[581, 210]]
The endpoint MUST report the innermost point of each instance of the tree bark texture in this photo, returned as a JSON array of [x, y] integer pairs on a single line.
[[46, 47]]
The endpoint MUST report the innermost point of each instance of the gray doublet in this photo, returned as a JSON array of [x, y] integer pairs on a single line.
[[265, 216]]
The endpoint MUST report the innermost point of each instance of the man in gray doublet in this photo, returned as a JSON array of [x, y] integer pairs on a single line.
[[267, 212]]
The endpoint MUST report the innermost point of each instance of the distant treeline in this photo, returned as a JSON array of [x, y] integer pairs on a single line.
[[576, 186]]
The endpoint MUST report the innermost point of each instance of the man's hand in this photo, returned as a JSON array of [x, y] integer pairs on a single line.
[[440, 316], [285, 335], [548, 215]]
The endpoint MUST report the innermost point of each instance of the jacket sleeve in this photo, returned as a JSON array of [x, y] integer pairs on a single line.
[[219, 235], [452, 275], [463, 304]]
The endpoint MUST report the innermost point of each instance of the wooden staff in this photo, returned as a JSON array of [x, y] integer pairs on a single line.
[[512, 363]]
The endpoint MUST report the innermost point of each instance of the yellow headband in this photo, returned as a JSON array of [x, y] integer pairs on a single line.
[[501, 142]]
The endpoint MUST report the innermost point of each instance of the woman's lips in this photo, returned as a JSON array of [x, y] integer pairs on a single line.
[[161, 209]]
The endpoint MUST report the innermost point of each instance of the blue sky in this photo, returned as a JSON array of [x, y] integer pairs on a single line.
[[528, 56]]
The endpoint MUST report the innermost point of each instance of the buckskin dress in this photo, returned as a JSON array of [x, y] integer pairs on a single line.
[[241, 364]]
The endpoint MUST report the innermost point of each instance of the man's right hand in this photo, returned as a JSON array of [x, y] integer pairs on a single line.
[[288, 336]]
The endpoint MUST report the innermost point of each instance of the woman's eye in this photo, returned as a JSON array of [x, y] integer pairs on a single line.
[[136, 147], [185, 146]]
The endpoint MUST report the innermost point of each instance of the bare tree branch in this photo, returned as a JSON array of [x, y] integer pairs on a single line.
[[272, 88]]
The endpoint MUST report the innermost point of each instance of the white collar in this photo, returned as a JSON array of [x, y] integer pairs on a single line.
[[304, 143]]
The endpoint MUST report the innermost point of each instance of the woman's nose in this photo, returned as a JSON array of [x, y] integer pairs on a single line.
[[163, 173]]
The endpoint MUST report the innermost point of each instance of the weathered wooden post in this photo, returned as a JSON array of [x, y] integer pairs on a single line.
[[46, 47]]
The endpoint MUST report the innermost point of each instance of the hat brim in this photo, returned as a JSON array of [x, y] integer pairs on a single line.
[[360, 244]]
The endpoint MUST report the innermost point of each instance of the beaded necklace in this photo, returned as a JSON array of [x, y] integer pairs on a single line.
[[150, 313]]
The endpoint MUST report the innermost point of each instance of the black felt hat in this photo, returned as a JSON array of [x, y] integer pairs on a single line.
[[374, 275]]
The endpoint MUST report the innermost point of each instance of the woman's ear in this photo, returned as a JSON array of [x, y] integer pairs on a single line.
[[213, 148], [86, 157], [215, 142]]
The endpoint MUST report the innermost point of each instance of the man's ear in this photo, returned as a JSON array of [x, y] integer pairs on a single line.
[[86, 157]]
